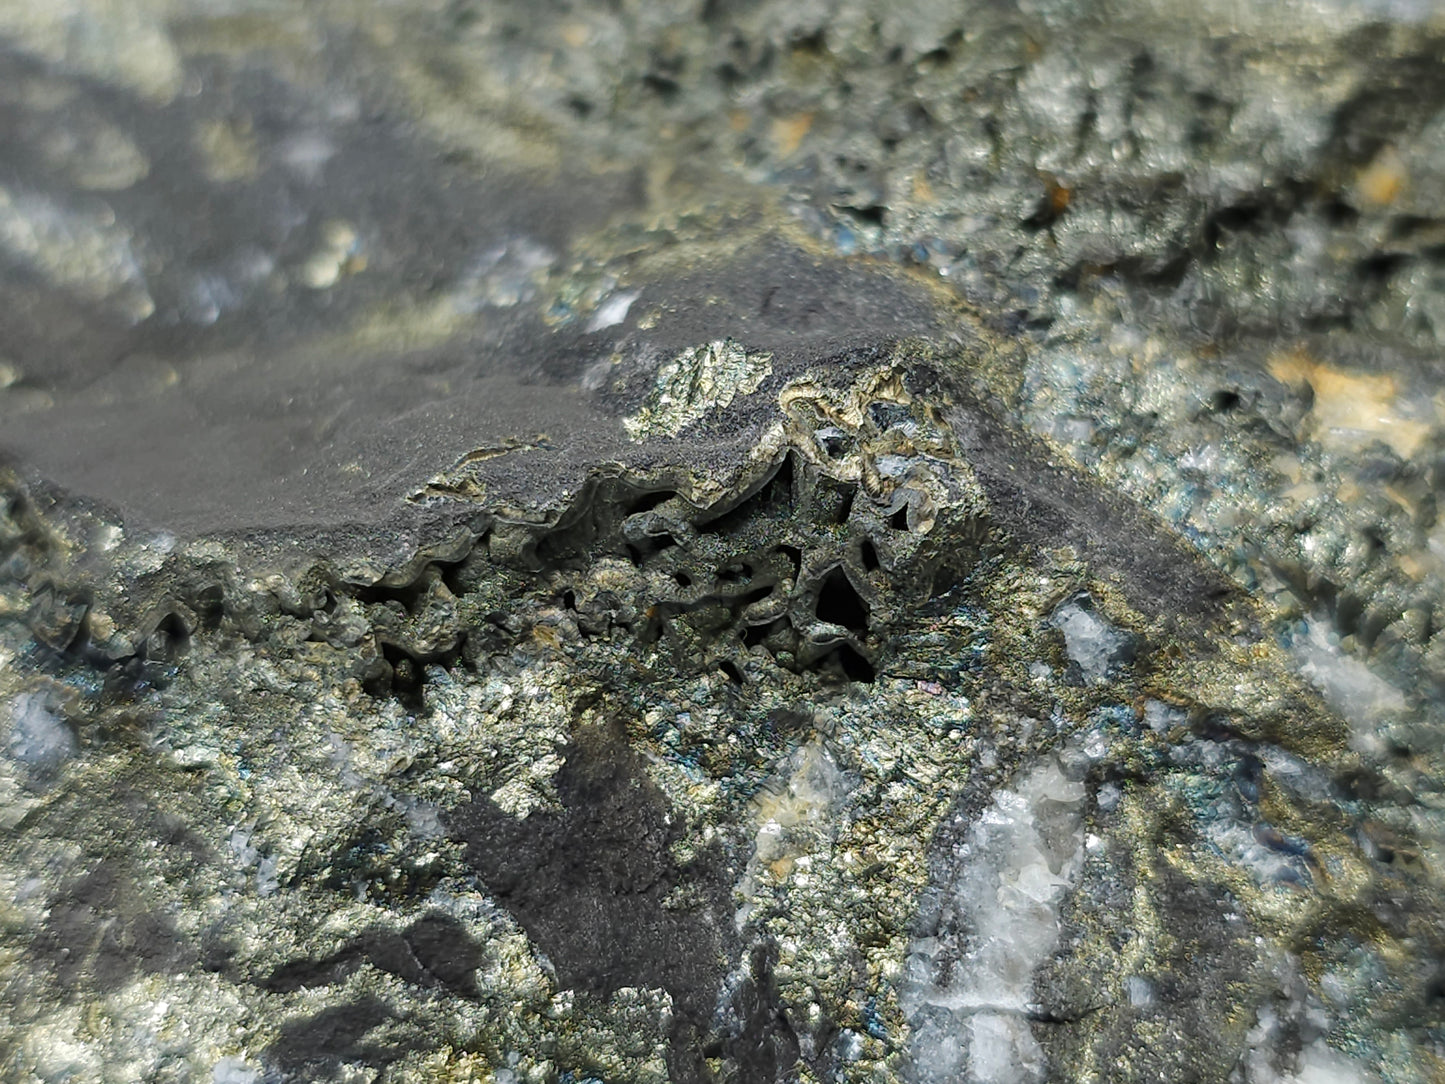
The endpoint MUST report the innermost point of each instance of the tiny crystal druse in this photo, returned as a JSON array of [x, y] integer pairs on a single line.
[[855, 759]]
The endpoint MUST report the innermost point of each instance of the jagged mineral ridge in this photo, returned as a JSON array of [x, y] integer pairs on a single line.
[[729, 541]]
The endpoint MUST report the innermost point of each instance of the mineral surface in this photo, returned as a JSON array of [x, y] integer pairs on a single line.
[[722, 541]]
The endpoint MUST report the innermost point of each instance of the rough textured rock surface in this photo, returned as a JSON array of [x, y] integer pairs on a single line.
[[722, 541]]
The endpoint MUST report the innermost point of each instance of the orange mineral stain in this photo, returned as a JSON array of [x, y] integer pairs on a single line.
[[1381, 182], [787, 132], [1351, 409]]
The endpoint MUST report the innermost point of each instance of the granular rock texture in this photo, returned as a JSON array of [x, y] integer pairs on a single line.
[[721, 542]]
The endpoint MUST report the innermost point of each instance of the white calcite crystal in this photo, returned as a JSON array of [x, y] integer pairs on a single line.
[[38, 736], [1268, 1059], [1347, 684], [1017, 863], [1091, 642], [794, 809]]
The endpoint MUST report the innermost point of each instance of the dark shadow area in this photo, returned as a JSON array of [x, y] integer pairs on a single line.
[[434, 951], [840, 604], [590, 885], [313, 1047]]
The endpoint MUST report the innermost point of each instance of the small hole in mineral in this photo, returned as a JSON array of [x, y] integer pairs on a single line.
[[871, 215], [168, 641], [780, 486], [736, 572], [840, 604], [682, 579], [753, 635], [211, 609], [757, 594], [899, 519], [1349, 610], [1436, 990], [731, 671], [945, 579], [569, 599], [650, 547], [854, 666], [646, 502], [654, 627], [832, 440], [407, 676], [793, 554], [868, 554]]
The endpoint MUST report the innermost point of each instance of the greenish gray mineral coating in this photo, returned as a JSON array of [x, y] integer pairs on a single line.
[[733, 542]]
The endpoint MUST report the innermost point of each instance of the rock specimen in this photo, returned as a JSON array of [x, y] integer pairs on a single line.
[[744, 542]]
